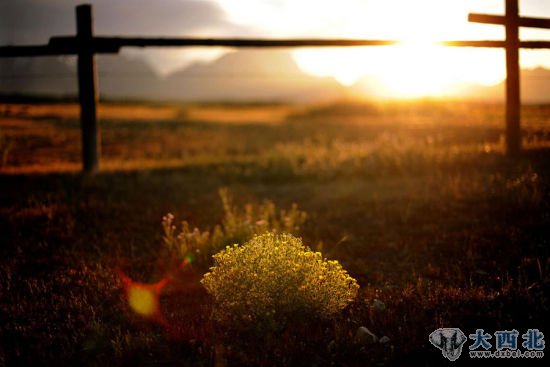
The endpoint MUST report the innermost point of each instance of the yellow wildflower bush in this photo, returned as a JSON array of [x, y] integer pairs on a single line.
[[274, 278]]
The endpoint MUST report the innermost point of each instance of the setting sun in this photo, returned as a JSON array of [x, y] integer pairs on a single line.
[[412, 75], [408, 70], [415, 68], [418, 66]]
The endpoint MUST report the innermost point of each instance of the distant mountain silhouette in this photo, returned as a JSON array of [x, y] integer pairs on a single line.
[[535, 85], [251, 75], [246, 75], [41, 76], [535, 88], [119, 77]]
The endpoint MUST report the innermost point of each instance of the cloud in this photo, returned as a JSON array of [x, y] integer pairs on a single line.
[[34, 21]]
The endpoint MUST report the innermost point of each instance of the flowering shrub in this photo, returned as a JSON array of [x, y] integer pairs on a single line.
[[238, 226], [274, 278]]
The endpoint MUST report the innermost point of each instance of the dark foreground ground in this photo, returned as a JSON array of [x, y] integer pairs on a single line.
[[416, 200]]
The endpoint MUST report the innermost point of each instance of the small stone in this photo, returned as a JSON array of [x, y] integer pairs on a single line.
[[384, 340], [378, 305], [364, 336]]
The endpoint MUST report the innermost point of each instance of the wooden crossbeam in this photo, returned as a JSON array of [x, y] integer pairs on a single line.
[[32, 51], [534, 44], [68, 45], [113, 43], [499, 19], [496, 44]]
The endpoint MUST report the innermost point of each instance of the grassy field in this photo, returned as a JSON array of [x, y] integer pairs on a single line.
[[415, 199]]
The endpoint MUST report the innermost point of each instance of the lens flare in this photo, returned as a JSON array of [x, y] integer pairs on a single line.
[[143, 299]]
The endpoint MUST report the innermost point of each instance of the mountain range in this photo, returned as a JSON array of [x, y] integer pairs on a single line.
[[239, 76], [247, 75]]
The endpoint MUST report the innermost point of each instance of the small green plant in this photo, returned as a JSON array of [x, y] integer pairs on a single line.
[[274, 279], [238, 226]]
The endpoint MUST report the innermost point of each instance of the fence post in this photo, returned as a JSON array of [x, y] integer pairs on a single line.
[[513, 132], [88, 96]]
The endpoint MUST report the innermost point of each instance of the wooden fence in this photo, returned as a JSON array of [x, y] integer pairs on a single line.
[[85, 46]]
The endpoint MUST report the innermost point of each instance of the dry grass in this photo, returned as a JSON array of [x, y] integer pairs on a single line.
[[416, 200]]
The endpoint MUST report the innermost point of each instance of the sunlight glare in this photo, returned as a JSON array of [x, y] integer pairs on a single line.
[[417, 67]]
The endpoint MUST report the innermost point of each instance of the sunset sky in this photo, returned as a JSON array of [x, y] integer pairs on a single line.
[[415, 68]]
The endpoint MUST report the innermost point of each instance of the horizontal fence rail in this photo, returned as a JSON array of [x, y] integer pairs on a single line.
[[502, 20], [68, 45]]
